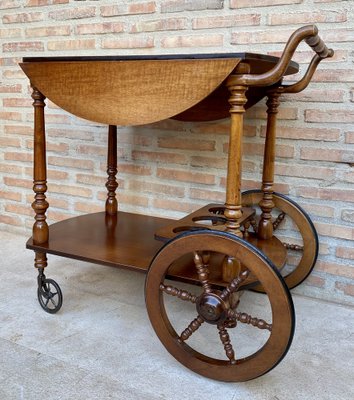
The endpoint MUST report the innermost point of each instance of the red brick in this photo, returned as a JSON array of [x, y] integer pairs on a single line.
[[210, 162], [209, 195], [61, 148], [14, 196], [72, 13], [105, 27], [70, 134], [6, 4], [282, 150], [337, 231], [222, 128], [168, 24], [334, 194], [135, 169], [149, 187], [21, 183], [285, 113], [91, 180], [316, 281], [318, 96], [319, 209], [322, 154], [55, 216], [320, 134], [10, 116], [71, 44], [310, 17], [335, 269], [186, 144], [345, 252], [193, 41], [10, 169], [347, 215], [22, 18], [173, 205], [331, 116], [128, 43], [9, 142], [186, 176], [191, 5], [15, 102], [306, 171], [226, 21], [333, 75], [87, 207], [263, 36], [64, 30], [338, 35], [17, 156], [137, 201], [126, 9], [261, 3], [19, 209], [70, 162], [92, 149], [10, 33], [156, 157], [22, 46], [10, 220], [347, 289], [69, 190]]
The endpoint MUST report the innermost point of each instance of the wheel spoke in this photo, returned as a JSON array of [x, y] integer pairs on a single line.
[[46, 303], [234, 284], [192, 327], [248, 319], [225, 340], [180, 293], [278, 220], [201, 263], [295, 247]]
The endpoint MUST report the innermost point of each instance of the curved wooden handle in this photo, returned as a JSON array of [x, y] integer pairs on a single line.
[[309, 33], [318, 46]]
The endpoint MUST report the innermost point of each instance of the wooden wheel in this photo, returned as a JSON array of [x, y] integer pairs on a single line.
[[305, 251], [219, 318]]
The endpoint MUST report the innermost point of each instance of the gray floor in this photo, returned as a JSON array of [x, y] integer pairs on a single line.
[[101, 345]]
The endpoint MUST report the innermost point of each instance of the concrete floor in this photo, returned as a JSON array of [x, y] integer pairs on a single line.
[[101, 345]]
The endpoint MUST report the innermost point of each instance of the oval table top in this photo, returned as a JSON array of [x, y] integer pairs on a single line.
[[136, 90]]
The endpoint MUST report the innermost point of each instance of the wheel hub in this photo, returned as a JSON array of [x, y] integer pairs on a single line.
[[212, 308]]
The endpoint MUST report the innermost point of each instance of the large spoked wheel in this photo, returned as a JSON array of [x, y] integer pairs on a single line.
[[50, 296], [202, 326], [291, 223]]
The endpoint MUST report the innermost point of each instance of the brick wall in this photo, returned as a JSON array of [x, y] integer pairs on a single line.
[[171, 168]]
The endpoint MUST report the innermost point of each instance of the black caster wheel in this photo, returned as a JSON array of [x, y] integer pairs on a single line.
[[50, 296]]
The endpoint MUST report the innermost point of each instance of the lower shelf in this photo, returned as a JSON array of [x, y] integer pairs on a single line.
[[128, 241]]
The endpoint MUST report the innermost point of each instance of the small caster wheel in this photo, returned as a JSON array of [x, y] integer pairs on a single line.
[[49, 296], [304, 253], [200, 326]]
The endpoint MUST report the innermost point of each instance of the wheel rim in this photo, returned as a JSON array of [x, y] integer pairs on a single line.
[[305, 227], [50, 296], [239, 369]]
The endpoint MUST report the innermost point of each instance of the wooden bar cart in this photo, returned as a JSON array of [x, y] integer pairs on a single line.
[[207, 259]]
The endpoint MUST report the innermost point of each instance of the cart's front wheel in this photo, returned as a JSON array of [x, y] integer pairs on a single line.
[[202, 327]]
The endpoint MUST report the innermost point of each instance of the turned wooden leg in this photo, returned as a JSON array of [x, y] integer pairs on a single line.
[[265, 227], [112, 184], [231, 266], [40, 205]]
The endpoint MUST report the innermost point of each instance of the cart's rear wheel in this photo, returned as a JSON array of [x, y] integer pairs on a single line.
[[247, 346], [305, 249]]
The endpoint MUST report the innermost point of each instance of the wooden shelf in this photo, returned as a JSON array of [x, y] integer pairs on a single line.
[[128, 241]]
